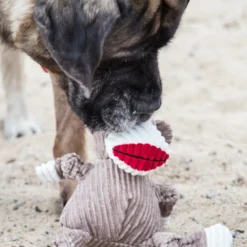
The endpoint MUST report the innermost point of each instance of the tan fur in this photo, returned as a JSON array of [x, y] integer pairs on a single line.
[[70, 129], [121, 38], [92, 7], [154, 5], [70, 135]]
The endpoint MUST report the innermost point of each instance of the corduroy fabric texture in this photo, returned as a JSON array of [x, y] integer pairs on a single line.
[[111, 208], [197, 239]]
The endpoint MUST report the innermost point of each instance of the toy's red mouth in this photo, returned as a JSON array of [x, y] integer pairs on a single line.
[[141, 157]]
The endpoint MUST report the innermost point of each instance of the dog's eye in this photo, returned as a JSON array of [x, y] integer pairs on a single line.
[[175, 3], [172, 3]]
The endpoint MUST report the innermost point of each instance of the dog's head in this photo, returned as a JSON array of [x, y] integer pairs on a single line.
[[108, 50]]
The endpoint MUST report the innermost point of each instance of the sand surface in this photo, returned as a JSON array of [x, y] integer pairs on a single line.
[[205, 101]]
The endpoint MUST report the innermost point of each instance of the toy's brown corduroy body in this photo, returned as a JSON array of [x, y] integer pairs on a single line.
[[111, 208]]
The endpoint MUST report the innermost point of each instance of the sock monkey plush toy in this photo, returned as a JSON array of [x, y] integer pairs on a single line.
[[115, 204]]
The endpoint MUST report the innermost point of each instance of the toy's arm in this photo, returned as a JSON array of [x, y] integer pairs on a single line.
[[215, 236], [165, 130], [167, 198], [69, 166]]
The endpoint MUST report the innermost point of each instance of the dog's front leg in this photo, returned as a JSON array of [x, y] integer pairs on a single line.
[[70, 131], [18, 120]]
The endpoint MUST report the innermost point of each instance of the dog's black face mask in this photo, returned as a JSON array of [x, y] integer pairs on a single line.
[[108, 50], [121, 97]]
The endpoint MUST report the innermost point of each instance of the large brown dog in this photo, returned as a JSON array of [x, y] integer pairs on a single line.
[[101, 56]]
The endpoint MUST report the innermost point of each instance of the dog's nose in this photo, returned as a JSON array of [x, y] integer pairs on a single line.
[[146, 106], [142, 118]]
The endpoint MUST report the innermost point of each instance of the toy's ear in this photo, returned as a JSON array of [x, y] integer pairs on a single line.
[[165, 130], [74, 33]]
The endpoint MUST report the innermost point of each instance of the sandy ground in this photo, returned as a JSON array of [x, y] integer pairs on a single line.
[[205, 101]]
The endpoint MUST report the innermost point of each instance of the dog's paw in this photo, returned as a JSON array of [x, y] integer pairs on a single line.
[[218, 236], [17, 125]]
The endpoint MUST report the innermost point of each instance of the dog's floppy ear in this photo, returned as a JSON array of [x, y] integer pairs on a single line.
[[74, 32]]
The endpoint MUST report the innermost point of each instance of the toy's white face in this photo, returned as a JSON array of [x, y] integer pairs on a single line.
[[139, 150]]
